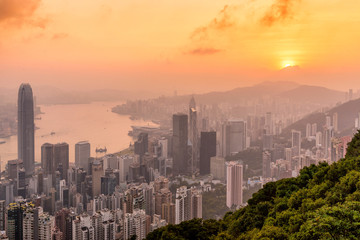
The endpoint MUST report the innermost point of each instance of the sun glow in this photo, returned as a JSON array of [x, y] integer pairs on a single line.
[[286, 64]]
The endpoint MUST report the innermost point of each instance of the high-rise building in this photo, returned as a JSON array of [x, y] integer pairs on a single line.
[[164, 196], [266, 163], [267, 141], [135, 224], [217, 168], [183, 204], [32, 222], [193, 135], [168, 212], [207, 150], [234, 191], [233, 137], [97, 172], [335, 122], [26, 128], [141, 146], [225, 140], [82, 154], [313, 129], [60, 220], [308, 130], [15, 216], [47, 159], [328, 121], [108, 182], [2, 215], [163, 142], [61, 159], [180, 140], [268, 123], [196, 204], [319, 139], [296, 142], [123, 166], [328, 135], [237, 136]]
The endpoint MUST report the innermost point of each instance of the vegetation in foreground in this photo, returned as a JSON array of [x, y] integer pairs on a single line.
[[322, 203]]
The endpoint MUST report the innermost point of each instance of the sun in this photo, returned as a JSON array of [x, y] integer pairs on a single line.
[[288, 63]]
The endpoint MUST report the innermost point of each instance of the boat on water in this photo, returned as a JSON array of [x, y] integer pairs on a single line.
[[52, 133], [101, 150]]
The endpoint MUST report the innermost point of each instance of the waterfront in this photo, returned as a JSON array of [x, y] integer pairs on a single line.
[[72, 123]]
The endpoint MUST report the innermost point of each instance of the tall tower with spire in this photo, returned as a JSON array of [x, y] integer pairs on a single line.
[[26, 128], [193, 136]]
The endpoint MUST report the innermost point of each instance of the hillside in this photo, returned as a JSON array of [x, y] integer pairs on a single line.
[[322, 203], [313, 94], [347, 113], [280, 89]]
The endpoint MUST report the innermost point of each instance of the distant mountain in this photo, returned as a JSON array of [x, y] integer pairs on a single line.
[[313, 94], [279, 89], [248, 93], [347, 113], [46, 94]]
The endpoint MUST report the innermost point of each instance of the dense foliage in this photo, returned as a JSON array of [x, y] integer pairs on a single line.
[[251, 157], [214, 202], [322, 203]]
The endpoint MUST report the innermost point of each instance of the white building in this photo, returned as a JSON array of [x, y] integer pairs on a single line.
[[234, 191], [135, 224], [188, 204]]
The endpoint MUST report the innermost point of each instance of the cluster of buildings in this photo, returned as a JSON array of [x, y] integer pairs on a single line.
[[127, 194], [117, 196]]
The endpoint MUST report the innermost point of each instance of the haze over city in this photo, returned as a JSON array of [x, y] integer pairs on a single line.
[[206, 120]]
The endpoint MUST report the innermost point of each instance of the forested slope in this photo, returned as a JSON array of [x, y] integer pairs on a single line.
[[322, 203]]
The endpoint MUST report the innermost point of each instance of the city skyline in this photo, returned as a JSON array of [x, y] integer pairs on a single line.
[[185, 119]]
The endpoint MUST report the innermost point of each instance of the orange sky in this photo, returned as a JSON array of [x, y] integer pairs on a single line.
[[163, 45]]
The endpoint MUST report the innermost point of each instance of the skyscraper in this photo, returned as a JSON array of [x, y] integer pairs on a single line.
[[237, 136], [268, 123], [15, 216], [308, 130], [180, 139], [234, 191], [141, 145], [225, 140], [266, 162], [207, 150], [2, 215], [335, 122], [296, 142], [97, 173], [47, 158], [61, 159], [182, 204], [82, 154], [193, 135], [26, 128]]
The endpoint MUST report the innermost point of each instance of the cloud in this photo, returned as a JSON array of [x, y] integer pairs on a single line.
[[204, 51], [59, 36], [222, 22], [16, 13], [279, 11]]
